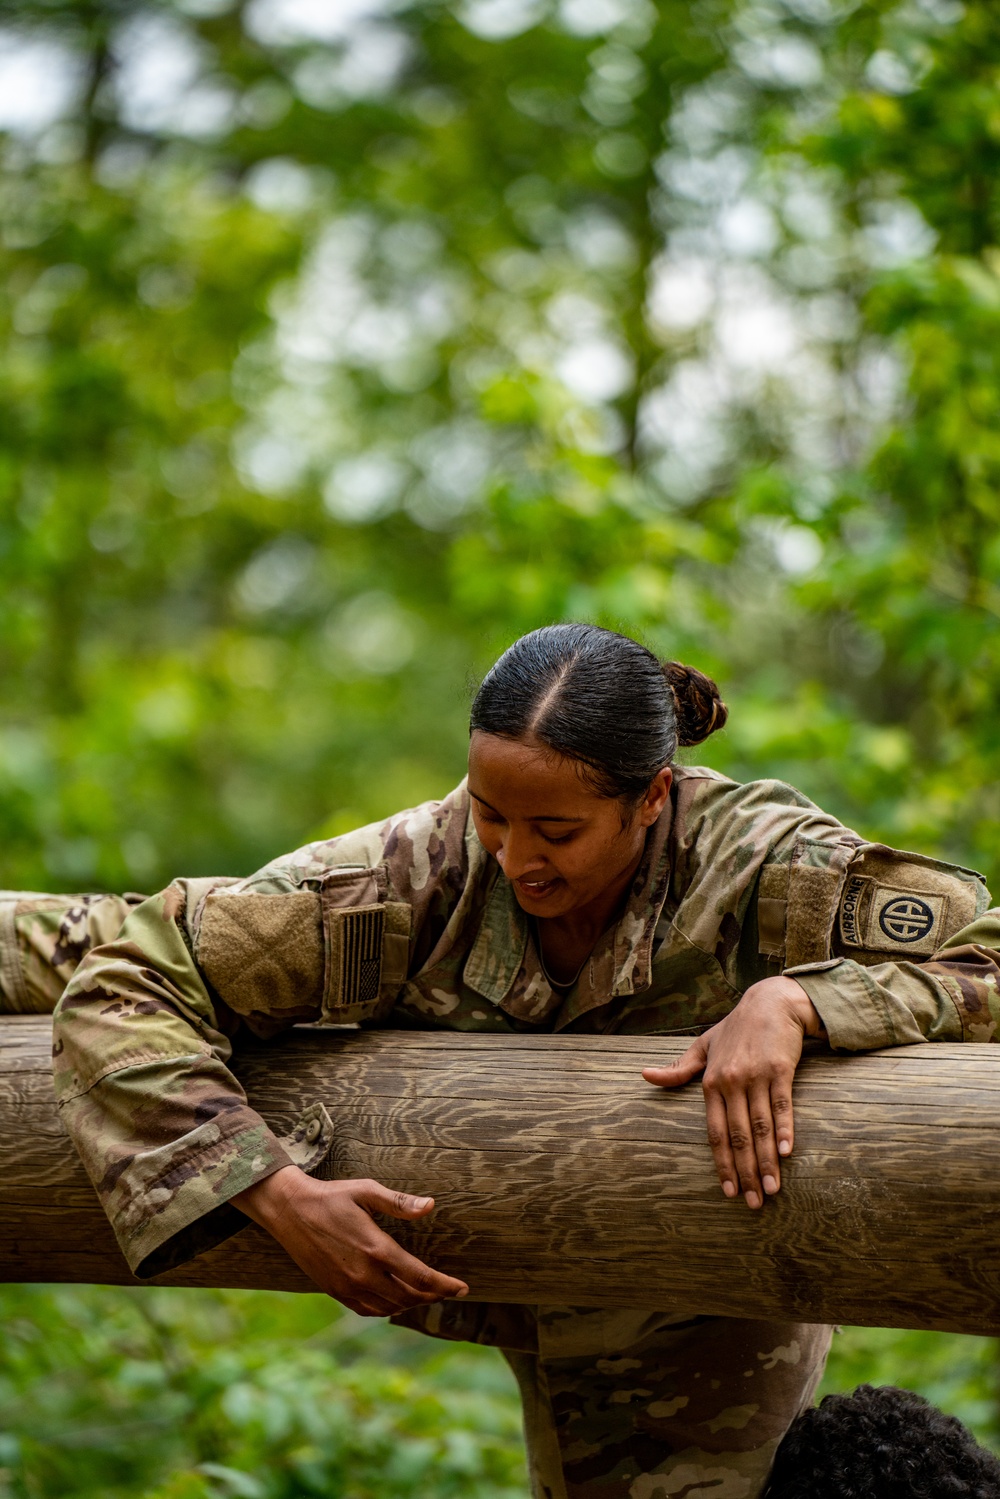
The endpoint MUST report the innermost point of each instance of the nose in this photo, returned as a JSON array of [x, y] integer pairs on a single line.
[[517, 858]]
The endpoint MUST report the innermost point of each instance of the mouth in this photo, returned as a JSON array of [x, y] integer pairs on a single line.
[[537, 889]]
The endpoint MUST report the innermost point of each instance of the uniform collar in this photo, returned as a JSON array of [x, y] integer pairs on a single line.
[[503, 963]]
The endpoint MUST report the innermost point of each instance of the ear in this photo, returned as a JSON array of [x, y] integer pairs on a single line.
[[655, 799]]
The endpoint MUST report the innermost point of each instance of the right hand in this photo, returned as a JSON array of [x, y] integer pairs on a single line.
[[327, 1228]]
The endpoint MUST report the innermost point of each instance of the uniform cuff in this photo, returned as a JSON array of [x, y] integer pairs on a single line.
[[849, 1004], [174, 1202], [177, 1207]]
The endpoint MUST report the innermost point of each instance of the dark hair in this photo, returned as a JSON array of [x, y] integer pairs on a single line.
[[886, 1441], [601, 699]]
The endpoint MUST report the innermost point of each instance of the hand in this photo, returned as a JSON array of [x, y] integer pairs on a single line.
[[749, 1061], [327, 1228]]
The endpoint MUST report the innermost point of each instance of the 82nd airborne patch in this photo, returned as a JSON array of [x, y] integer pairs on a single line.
[[883, 919]]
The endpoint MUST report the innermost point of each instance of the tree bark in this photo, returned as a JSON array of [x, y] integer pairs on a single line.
[[562, 1177]]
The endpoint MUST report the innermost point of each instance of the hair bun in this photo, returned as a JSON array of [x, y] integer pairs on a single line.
[[699, 705]]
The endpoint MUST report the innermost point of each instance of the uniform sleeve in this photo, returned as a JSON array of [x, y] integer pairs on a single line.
[[143, 1035], [891, 947], [44, 938], [954, 996]]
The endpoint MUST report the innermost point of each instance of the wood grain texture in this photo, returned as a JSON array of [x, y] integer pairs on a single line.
[[562, 1177]]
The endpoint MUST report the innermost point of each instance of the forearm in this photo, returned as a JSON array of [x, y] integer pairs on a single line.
[[142, 1079], [43, 939], [954, 996], [166, 1180]]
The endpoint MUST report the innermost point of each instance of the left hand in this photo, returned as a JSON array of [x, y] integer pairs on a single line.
[[749, 1061]]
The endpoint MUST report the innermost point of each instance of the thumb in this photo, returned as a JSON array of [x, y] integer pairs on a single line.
[[375, 1198], [682, 1071]]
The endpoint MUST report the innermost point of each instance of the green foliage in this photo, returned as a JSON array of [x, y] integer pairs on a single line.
[[380, 334], [243, 1395], [445, 323], [116, 1394]]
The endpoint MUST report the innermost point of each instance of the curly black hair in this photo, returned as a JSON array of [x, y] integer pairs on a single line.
[[881, 1444]]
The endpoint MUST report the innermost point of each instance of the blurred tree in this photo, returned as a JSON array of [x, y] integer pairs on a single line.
[[288, 298], [344, 344]]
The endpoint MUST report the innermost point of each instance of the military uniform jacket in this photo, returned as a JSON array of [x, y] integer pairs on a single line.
[[411, 923]]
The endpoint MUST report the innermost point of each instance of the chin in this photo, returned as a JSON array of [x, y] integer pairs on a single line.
[[557, 904]]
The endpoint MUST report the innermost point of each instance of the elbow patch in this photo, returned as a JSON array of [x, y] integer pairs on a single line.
[[337, 954]]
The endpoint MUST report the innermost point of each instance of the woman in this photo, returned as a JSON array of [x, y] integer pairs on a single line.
[[579, 881]]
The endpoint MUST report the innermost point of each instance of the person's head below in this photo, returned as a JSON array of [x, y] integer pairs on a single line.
[[881, 1443], [573, 736]]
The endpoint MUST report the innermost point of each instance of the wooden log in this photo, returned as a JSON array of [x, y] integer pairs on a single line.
[[562, 1177]]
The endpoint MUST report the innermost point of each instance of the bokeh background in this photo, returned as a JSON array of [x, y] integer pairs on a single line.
[[344, 340]]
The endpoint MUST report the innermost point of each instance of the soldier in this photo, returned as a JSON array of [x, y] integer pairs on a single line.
[[578, 881]]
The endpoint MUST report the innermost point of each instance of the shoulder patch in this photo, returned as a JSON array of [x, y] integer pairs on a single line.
[[903, 904], [874, 915]]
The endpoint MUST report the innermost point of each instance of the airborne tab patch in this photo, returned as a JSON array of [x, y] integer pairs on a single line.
[[883, 918]]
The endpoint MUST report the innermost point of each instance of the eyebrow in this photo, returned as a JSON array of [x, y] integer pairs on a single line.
[[543, 818]]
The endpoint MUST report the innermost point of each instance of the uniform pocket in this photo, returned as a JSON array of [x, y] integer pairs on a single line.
[[903, 905]]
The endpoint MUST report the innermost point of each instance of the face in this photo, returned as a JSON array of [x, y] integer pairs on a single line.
[[561, 845]]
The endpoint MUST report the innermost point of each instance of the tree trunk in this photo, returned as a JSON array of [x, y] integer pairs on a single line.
[[562, 1177]]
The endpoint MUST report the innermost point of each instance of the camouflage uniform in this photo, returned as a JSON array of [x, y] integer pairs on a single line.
[[44, 937], [737, 883]]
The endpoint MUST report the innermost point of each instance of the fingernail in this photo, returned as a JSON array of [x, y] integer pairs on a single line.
[[422, 1202], [753, 1201], [729, 1188], [784, 1147], [463, 1292], [770, 1185]]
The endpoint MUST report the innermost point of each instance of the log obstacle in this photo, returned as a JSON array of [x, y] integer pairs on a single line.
[[562, 1177]]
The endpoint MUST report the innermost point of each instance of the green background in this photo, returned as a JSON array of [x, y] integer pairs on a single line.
[[341, 344]]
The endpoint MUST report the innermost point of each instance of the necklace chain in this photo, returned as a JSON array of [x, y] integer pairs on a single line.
[[555, 983]]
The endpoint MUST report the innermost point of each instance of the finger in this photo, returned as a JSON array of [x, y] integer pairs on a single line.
[[375, 1198], [418, 1282], [409, 1295], [400, 1297], [718, 1139], [765, 1142], [380, 1294], [682, 1071], [367, 1303], [742, 1142], [428, 1284], [784, 1119], [419, 1279], [370, 1308]]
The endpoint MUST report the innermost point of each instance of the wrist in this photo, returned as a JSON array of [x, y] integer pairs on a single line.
[[267, 1201], [793, 999]]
